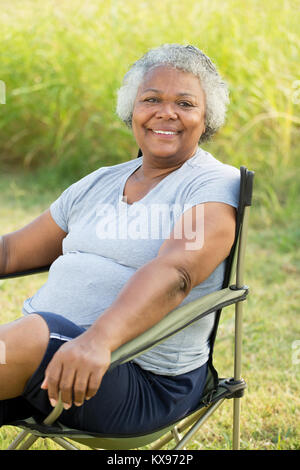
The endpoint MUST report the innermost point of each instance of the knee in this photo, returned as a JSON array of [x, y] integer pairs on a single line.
[[25, 340], [36, 333]]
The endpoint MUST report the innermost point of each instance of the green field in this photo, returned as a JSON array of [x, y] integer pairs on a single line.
[[62, 63]]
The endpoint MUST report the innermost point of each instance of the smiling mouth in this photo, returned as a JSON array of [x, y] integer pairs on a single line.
[[164, 133]]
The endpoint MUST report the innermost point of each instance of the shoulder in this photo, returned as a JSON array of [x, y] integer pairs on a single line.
[[204, 165], [90, 180], [211, 180], [105, 170]]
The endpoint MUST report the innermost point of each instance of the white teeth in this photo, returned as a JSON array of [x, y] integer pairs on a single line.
[[164, 132]]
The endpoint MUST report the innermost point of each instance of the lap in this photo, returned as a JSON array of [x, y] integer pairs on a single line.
[[129, 400]]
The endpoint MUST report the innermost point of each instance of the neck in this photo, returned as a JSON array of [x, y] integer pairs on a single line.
[[154, 169], [147, 172]]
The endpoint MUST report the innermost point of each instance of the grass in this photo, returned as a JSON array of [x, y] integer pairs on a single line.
[[270, 408], [61, 65]]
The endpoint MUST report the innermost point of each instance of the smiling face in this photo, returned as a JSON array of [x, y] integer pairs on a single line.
[[169, 114]]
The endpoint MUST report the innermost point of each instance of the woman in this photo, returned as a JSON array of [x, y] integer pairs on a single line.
[[127, 244]]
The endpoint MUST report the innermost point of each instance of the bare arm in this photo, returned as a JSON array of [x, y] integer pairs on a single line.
[[37, 244], [162, 284], [153, 291]]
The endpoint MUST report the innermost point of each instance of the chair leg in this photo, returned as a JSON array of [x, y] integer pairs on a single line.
[[20, 437], [158, 445], [28, 443], [236, 424], [181, 427], [177, 437], [64, 443], [237, 374], [197, 425]]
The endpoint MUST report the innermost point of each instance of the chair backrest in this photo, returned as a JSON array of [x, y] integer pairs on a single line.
[[235, 260], [245, 200]]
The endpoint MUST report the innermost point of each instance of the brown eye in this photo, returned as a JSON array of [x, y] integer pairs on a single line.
[[151, 100], [185, 104]]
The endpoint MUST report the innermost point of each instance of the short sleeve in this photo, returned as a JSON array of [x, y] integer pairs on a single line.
[[220, 185], [61, 207]]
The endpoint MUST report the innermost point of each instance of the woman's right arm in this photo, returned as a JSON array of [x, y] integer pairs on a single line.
[[37, 244]]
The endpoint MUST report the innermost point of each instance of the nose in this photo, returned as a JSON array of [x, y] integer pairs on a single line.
[[166, 111]]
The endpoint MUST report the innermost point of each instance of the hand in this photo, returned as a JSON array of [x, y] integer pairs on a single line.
[[76, 370]]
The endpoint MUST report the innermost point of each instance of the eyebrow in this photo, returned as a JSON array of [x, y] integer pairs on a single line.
[[185, 93]]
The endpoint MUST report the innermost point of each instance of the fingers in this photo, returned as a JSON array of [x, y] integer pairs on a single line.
[[76, 371], [93, 385], [75, 386], [52, 380], [80, 388], [65, 386], [84, 387], [70, 384]]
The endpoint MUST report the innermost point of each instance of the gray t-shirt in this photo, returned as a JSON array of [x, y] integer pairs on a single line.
[[108, 240]]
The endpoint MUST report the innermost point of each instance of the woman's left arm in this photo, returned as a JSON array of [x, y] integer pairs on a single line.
[[200, 241]]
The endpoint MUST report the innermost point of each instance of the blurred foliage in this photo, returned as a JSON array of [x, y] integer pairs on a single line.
[[62, 63]]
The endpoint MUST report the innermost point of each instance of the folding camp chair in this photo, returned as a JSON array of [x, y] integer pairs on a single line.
[[216, 390]]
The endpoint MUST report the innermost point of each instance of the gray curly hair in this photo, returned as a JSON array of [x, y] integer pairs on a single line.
[[185, 58]]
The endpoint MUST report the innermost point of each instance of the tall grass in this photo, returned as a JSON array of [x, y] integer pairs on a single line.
[[62, 62]]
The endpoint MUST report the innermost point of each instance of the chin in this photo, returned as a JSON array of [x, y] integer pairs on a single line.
[[163, 151]]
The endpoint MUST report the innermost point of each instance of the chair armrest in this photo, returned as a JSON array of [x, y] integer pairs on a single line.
[[25, 273], [171, 324], [175, 321]]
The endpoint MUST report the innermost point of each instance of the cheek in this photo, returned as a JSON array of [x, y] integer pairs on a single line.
[[197, 125], [135, 123], [139, 117], [138, 128]]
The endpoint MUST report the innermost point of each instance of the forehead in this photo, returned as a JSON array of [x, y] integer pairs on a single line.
[[164, 78]]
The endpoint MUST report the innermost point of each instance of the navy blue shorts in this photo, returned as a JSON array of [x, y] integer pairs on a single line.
[[130, 400]]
